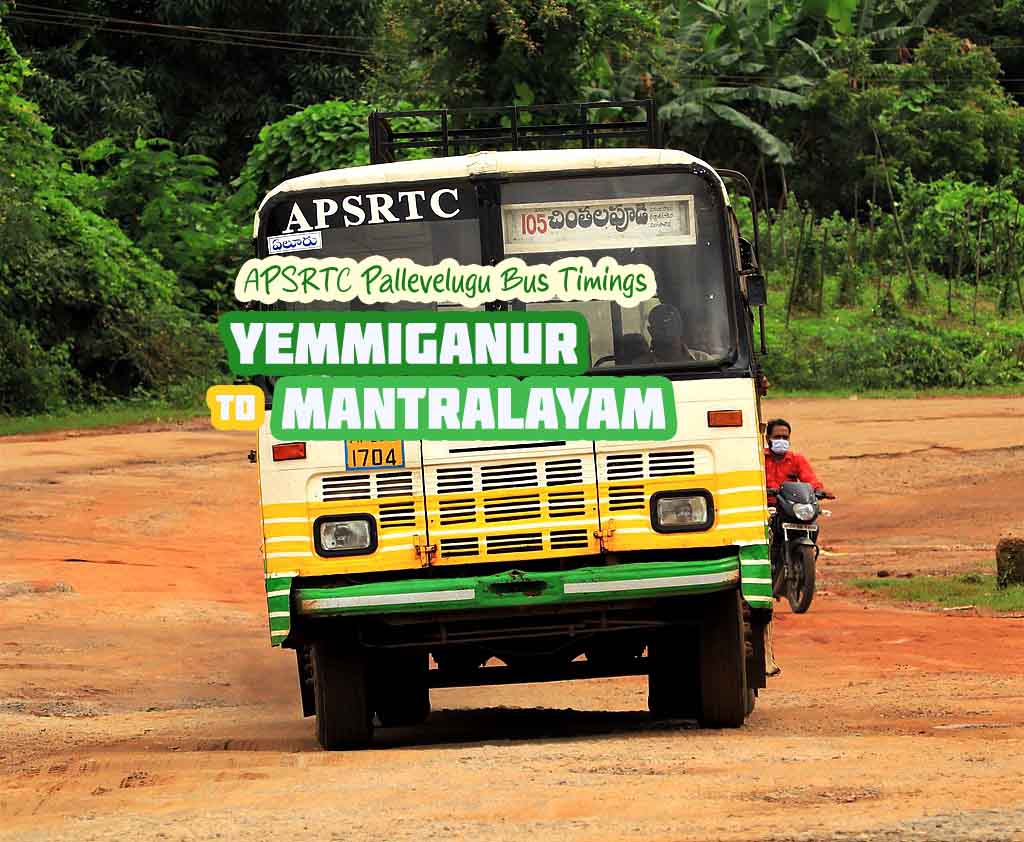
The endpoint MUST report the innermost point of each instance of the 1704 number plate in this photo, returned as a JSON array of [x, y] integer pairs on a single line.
[[374, 455]]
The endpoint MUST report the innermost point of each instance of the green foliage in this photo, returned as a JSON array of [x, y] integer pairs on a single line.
[[851, 286], [32, 379], [83, 312], [90, 98], [210, 91], [126, 197], [112, 414], [328, 136], [475, 52], [890, 350], [172, 206], [725, 72], [808, 271], [944, 112], [963, 228]]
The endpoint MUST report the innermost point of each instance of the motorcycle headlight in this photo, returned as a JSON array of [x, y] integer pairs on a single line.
[[805, 511], [681, 512], [344, 535]]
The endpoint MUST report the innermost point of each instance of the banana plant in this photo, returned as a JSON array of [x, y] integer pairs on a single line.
[[730, 68], [734, 64]]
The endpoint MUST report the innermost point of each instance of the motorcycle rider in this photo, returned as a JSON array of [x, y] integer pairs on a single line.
[[783, 465]]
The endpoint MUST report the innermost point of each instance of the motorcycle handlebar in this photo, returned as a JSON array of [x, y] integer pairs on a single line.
[[819, 495]]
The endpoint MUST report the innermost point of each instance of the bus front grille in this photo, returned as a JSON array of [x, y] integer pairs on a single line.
[[650, 465], [520, 508], [366, 486]]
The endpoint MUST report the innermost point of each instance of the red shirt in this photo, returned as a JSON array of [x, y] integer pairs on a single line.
[[790, 468]]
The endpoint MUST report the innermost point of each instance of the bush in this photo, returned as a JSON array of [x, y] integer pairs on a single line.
[[172, 207], [327, 136], [32, 379], [84, 313], [895, 352], [851, 285]]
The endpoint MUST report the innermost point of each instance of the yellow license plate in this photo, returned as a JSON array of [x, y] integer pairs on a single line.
[[374, 455]]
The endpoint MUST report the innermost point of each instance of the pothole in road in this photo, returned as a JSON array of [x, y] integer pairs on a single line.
[[963, 726], [817, 795], [9, 589]]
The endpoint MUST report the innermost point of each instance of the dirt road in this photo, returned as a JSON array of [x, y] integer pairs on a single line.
[[139, 698]]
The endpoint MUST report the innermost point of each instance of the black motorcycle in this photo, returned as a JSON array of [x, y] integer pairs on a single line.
[[794, 542]]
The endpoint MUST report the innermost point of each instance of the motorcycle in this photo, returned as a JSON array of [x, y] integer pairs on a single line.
[[794, 542]]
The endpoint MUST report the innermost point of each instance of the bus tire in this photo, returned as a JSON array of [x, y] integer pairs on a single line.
[[343, 716], [400, 692], [723, 662], [673, 682]]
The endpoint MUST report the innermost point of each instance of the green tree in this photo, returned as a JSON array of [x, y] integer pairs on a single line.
[[209, 88], [994, 23], [736, 75], [83, 312], [173, 207], [726, 72], [943, 112], [495, 52], [331, 135]]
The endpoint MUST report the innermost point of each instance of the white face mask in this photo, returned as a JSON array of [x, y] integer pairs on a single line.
[[779, 446]]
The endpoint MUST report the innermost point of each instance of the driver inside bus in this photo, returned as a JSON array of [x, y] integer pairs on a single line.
[[665, 325]]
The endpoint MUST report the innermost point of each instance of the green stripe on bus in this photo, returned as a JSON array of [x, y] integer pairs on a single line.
[[756, 589], [514, 588]]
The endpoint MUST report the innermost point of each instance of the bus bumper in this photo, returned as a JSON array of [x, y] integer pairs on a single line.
[[515, 588]]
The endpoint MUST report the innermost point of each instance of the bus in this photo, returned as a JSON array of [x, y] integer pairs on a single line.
[[396, 567]]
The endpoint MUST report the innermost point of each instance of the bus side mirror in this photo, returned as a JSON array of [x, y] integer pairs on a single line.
[[748, 261], [757, 290]]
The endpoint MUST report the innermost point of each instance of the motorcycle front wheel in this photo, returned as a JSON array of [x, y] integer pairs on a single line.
[[800, 587]]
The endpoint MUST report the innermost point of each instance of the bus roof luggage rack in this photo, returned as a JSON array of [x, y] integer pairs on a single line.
[[463, 130]]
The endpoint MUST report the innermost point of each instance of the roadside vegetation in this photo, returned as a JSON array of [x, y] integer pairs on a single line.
[[116, 414], [960, 591], [883, 139]]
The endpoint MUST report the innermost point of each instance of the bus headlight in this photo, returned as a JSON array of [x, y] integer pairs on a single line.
[[335, 535], [681, 511]]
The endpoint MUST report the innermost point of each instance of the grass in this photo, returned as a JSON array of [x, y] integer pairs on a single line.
[[113, 415], [975, 589], [1010, 391]]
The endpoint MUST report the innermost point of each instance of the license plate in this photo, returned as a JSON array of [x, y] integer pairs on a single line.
[[793, 527], [374, 455]]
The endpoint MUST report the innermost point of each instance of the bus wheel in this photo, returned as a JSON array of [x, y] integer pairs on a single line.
[[673, 684], [723, 673], [400, 692], [343, 717], [306, 692]]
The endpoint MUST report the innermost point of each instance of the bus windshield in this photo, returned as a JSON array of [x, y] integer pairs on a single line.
[[673, 223]]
